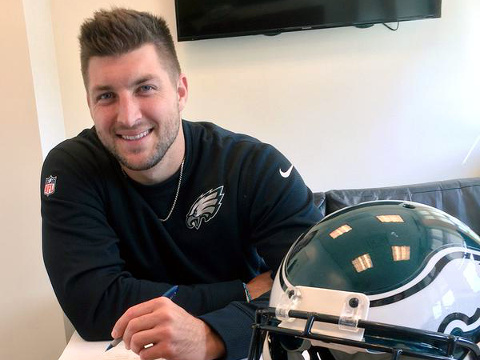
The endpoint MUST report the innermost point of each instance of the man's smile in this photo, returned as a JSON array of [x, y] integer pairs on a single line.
[[135, 137]]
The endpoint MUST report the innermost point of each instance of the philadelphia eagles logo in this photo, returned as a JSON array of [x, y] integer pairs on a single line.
[[205, 208]]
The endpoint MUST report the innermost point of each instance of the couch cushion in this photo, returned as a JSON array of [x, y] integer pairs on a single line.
[[459, 197]]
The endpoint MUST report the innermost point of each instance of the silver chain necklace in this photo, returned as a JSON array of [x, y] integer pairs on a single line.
[[176, 194]]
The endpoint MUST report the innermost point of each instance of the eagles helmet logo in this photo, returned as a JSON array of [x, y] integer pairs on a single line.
[[205, 208]]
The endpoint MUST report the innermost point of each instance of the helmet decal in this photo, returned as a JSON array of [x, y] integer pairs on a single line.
[[468, 321], [431, 272]]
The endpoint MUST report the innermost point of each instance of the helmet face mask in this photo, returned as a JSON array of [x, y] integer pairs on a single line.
[[385, 279]]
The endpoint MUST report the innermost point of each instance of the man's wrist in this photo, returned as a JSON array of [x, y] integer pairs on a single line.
[[215, 347]]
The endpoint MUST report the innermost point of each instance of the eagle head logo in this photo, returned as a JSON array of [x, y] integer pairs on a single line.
[[205, 208]]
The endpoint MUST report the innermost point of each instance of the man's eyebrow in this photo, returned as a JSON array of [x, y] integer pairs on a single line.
[[143, 79], [100, 88]]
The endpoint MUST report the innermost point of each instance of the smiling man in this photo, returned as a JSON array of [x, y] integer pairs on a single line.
[[137, 113], [145, 200]]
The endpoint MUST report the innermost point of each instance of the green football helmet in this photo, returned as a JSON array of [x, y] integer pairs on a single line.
[[383, 279]]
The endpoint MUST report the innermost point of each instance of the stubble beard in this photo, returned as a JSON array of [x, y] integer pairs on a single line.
[[168, 137]]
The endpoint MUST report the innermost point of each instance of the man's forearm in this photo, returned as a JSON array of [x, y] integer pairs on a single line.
[[260, 284], [215, 347]]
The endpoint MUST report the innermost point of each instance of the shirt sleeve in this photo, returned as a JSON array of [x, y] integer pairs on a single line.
[[234, 325], [279, 207], [82, 256]]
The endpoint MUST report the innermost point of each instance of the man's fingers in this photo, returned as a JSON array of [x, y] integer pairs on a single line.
[[137, 312], [131, 313], [138, 326], [153, 344]]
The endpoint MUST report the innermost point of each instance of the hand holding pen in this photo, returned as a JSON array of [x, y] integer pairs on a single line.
[[169, 294]]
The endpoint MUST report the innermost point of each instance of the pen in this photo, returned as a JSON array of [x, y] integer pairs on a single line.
[[170, 293]]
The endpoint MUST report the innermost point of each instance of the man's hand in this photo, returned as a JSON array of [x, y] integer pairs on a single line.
[[260, 284], [173, 333]]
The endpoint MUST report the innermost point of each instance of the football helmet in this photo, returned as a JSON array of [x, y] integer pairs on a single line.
[[378, 280]]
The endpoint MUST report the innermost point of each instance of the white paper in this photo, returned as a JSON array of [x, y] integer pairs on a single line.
[[79, 349], [119, 353]]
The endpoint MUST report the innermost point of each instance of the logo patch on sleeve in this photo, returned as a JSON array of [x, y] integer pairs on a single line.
[[205, 208], [286, 174], [50, 183]]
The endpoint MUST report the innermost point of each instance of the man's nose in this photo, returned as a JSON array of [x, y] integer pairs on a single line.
[[128, 111]]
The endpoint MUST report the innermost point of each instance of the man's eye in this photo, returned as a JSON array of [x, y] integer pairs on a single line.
[[146, 88], [105, 96]]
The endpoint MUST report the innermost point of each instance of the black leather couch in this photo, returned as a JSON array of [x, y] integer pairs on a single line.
[[459, 198]]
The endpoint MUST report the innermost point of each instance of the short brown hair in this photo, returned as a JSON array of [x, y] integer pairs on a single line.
[[119, 31]]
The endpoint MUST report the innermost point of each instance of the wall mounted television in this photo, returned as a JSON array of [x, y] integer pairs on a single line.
[[206, 19]]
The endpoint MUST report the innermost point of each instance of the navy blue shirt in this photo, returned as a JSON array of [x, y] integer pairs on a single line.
[[240, 207]]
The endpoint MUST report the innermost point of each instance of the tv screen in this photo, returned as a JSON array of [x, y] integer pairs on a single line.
[[204, 19]]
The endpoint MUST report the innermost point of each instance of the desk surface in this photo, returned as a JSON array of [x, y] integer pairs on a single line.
[[79, 349]]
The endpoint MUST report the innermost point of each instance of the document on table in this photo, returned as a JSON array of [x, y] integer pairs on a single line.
[[79, 349]]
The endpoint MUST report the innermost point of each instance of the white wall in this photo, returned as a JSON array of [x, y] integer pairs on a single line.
[[44, 71], [349, 107], [31, 325]]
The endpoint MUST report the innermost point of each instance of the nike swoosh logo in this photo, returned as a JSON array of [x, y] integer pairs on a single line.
[[286, 174]]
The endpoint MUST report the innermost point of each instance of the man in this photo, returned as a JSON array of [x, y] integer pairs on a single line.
[[146, 200]]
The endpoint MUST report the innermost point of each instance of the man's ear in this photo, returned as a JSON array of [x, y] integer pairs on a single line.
[[182, 91]]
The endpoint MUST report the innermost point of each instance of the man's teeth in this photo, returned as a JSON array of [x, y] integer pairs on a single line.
[[136, 137]]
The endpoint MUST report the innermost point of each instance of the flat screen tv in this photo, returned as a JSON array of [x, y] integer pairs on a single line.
[[205, 19]]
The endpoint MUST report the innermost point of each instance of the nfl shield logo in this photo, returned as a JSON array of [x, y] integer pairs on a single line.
[[50, 183]]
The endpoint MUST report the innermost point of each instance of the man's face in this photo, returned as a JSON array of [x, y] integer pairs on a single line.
[[135, 106]]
